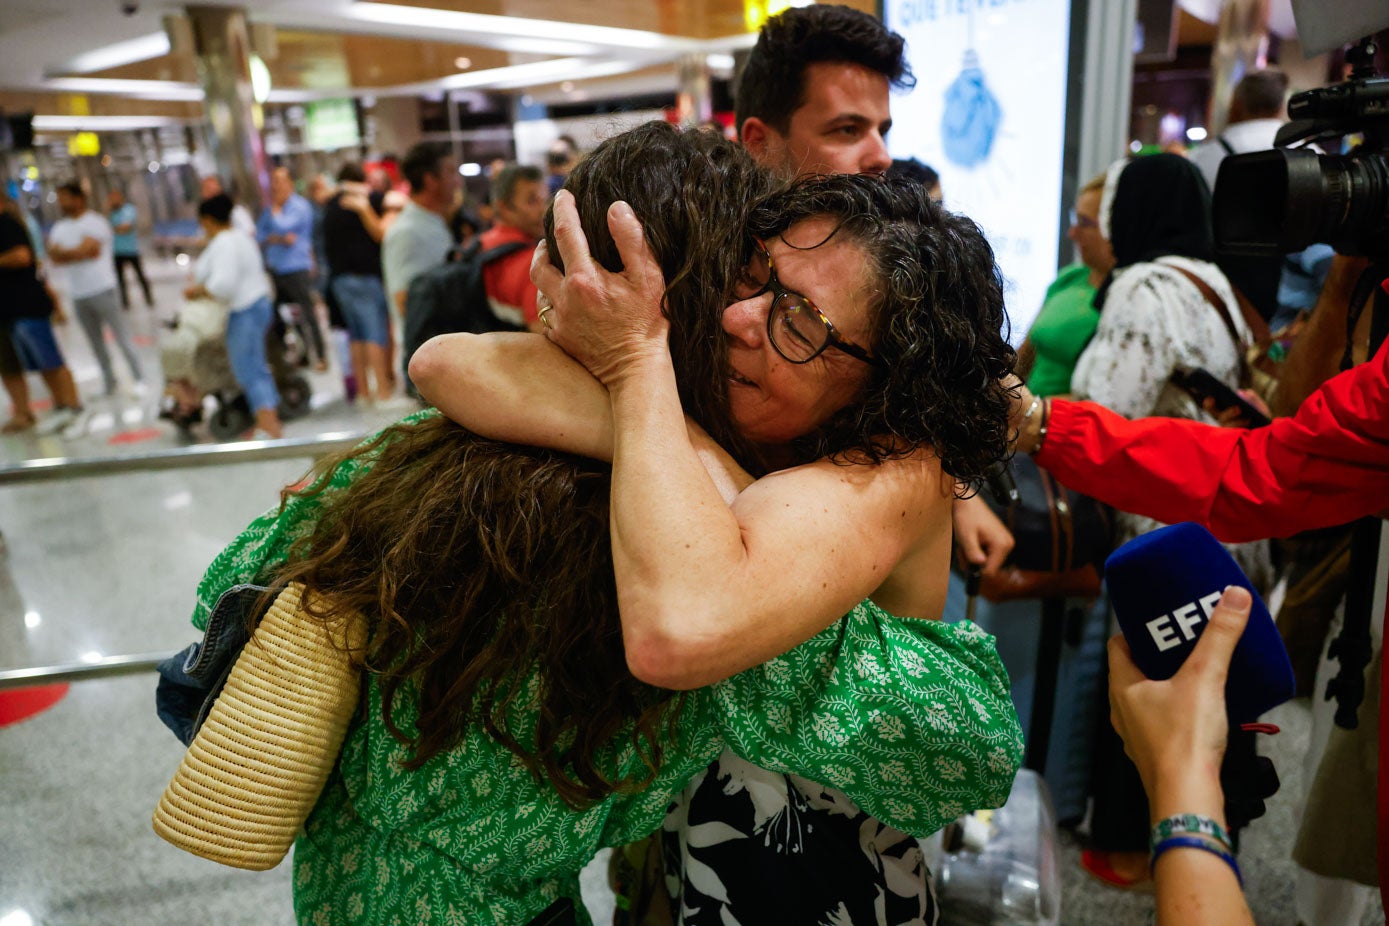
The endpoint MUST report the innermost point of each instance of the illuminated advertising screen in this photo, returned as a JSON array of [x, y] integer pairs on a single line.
[[331, 124], [989, 114]]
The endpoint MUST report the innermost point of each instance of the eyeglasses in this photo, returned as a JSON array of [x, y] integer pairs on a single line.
[[1082, 221], [797, 329]]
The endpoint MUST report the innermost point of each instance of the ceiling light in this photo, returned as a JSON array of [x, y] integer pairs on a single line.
[[1196, 133], [567, 86], [120, 53], [101, 123], [470, 169], [462, 63], [485, 24], [139, 89]]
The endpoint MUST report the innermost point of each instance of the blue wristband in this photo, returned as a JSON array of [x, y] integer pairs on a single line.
[[1196, 842]]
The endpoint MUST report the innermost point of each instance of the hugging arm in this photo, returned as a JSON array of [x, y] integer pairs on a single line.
[[707, 589]]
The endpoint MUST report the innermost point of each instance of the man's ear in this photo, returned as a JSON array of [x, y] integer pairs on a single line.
[[759, 138]]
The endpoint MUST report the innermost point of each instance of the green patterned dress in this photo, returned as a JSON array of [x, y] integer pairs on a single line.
[[911, 718]]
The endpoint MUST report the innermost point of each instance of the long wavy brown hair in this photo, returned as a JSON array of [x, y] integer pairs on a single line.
[[481, 566]]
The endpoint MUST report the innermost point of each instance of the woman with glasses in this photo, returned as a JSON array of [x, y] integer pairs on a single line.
[[860, 343], [1068, 317], [502, 737]]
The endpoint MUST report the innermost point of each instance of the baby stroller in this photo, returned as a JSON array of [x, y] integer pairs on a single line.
[[196, 351]]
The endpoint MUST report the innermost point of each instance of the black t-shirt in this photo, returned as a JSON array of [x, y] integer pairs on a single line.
[[345, 240], [22, 295]]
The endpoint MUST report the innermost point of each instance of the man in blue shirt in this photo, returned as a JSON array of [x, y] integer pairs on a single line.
[[285, 231], [125, 247]]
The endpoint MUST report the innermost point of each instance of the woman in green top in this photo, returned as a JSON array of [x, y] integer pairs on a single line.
[[1068, 317], [503, 739]]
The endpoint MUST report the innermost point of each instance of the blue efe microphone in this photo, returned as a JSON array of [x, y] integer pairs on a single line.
[[1164, 586]]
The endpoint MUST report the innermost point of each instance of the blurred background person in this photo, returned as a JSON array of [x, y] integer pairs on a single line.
[[921, 173], [420, 238], [519, 198], [241, 220], [125, 244], [1068, 317], [80, 245], [231, 271], [26, 333], [285, 232], [1282, 288], [352, 234], [559, 161]]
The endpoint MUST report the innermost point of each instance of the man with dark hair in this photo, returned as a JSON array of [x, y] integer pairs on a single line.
[[352, 233], [560, 158], [520, 198], [813, 96], [1256, 113], [80, 245], [28, 344], [419, 238], [1280, 288]]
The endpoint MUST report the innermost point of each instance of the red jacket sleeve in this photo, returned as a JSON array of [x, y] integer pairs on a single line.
[[1328, 464]]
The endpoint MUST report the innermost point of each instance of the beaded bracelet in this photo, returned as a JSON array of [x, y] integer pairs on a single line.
[[1196, 842], [1190, 823]]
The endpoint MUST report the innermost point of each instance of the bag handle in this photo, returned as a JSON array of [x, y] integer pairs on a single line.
[[1241, 348]]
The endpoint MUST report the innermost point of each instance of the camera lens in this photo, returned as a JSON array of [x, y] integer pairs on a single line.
[[1280, 201]]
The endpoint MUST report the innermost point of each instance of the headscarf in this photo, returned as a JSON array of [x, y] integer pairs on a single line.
[[1160, 207]]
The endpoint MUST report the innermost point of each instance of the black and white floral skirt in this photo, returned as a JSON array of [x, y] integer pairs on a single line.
[[743, 845]]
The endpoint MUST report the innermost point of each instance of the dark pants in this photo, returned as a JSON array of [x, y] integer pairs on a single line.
[[297, 289], [133, 260]]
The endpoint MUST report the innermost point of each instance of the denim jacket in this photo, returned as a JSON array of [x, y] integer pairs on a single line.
[[191, 679]]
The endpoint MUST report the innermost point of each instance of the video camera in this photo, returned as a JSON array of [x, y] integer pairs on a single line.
[[1280, 201], [1269, 203]]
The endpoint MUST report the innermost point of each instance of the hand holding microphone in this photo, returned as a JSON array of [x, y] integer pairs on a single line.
[[1175, 730]]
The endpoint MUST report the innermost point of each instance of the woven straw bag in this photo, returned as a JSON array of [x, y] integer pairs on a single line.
[[257, 765]]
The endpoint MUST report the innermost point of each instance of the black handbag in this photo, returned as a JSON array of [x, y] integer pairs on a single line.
[[1061, 539]]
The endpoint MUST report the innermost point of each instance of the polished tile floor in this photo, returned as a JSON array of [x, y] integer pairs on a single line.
[[107, 565]]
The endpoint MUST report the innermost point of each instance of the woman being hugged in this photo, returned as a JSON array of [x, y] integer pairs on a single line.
[[860, 348]]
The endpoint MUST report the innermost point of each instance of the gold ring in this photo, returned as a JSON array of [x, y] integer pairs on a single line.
[[545, 316]]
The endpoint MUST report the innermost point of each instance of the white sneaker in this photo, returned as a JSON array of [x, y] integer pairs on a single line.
[[60, 419], [78, 426]]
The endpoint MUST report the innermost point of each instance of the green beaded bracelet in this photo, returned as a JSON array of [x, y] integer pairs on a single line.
[[1190, 823]]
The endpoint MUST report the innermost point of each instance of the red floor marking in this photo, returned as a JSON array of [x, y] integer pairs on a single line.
[[22, 703], [41, 405], [135, 437], [143, 340]]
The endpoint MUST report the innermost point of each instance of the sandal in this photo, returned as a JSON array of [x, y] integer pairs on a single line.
[[18, 423]]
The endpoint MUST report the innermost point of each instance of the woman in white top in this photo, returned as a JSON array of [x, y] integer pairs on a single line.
[[230, 270], [1154, 320]]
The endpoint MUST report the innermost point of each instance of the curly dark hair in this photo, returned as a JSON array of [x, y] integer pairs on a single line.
[[772, 84], [439, 542], [938, 324]]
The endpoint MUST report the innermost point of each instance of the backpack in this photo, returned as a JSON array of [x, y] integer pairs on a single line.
[[452, 298]]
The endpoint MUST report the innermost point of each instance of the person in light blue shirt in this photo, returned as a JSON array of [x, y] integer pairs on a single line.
[[285, 232], [125, 246]]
